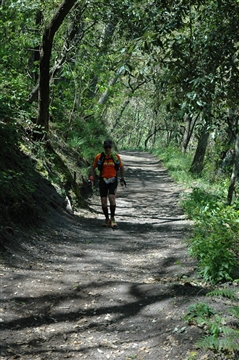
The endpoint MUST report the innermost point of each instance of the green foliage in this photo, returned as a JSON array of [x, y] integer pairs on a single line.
[[198, 312], [234, 311], [220, 334], [125, 38], [230, 343], [199, 201], [224, 293], [215, 236], [176, 163]]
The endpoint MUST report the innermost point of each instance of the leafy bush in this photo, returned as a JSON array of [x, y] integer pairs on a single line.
[[213, 243], [215, 235], [199, 202]]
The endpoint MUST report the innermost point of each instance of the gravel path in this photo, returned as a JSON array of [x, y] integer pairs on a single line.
[[77, 290]]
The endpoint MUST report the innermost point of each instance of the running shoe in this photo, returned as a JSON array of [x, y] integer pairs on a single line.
[[106, 223], [113, 223]]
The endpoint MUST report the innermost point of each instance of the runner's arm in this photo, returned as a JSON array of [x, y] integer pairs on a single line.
[[122, 180], [91, 176], [92, 172], [122, 172]]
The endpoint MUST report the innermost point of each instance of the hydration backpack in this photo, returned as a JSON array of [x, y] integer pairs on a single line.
[[102, 159]]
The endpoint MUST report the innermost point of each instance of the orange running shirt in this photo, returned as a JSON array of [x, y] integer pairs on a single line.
[[108, 166]]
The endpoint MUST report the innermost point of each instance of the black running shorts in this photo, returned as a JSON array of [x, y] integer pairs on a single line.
[[106, 189]]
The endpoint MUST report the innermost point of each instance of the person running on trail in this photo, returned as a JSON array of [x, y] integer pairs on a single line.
[[108, 163]]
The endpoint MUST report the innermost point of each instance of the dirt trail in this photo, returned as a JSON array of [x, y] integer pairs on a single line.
[[85, 292]]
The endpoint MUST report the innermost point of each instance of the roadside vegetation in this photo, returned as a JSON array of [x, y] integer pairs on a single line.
[[214, 243], [214, 240]]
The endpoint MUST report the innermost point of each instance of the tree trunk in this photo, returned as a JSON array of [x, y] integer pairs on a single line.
[[76, 30], [45, 55], [235, 170], [112, 82], [190, 123], [197, 163]]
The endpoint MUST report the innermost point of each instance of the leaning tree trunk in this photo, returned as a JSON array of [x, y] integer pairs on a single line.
[[197, 163], [235, 170], [45, 55]]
